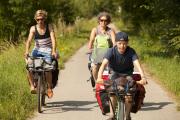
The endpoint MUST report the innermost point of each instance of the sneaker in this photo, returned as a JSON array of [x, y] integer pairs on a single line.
[[49, 93]]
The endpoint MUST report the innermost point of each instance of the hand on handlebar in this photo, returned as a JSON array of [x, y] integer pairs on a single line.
[[54, 54], [99, 80], [26, 54], [142, 81], [89, 51]]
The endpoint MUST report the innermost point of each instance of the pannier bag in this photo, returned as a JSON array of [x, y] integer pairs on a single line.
[[138, 98], [139, 95], [102, 98], [55, 73]]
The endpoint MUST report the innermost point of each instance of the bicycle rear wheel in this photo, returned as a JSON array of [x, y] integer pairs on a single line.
[[120, 110]]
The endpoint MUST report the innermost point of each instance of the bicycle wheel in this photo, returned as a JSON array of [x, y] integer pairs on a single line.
[[120, 110], [39, 93], [43, 91], [92, 81], [43, 100]]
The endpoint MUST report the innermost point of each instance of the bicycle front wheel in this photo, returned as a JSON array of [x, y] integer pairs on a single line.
[[120, 111], [40, 96]]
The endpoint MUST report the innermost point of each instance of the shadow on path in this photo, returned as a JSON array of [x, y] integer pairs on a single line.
[[154, 105], [65, 106]]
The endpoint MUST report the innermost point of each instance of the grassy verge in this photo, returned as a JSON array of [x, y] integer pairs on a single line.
[[164, 68], [16, 102], [161, 66]]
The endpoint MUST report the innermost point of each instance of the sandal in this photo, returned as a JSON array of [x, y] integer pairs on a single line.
[[49, 93], [33, 91]]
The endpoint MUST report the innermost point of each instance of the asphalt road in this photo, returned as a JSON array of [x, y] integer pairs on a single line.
[[74, 98]]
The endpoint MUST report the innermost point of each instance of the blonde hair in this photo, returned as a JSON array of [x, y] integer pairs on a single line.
[[41, 13]]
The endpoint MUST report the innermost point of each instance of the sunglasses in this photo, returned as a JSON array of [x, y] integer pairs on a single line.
[[40, 19], [103, 20]]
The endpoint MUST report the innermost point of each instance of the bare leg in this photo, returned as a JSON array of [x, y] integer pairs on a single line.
[[114, 102], [49, 82], [95, 70], [30, 80], [128, 106]]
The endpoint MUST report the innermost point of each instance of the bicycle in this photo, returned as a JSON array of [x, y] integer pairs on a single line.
[[38, 67], [120, 93]]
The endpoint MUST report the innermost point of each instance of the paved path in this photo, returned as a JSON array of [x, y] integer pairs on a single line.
[[74, 98]]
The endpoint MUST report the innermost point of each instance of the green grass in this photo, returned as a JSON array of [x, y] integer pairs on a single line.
[[161, 66], [16, 102], [14, 92]]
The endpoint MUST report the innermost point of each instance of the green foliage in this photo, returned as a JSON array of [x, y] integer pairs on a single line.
[[90, 8], [16, 16], [159, 18]]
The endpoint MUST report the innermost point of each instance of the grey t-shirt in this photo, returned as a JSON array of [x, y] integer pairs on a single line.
[[121, 63]]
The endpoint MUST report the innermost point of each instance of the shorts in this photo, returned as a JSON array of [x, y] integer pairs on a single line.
[[43, 52], [115, 75]]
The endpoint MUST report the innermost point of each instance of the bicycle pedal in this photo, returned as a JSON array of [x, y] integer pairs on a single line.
[[88, 80]]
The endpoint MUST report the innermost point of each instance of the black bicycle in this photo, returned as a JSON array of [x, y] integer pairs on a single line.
[[38, 66], [120, 92]]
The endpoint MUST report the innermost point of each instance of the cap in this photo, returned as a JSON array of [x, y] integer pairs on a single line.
[[121, 36]]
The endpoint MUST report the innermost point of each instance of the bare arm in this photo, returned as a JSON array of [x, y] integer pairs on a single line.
[[113, 37], [92, 37], [101, 69], [138, 66], [28, 42], [53, 39]]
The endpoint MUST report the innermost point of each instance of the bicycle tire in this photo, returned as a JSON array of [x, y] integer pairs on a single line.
[[92, 81], [43, 100], [120, 111], [39, 94]]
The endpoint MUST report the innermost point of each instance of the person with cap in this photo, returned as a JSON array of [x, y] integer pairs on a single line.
[[121, 60], [45, 46]]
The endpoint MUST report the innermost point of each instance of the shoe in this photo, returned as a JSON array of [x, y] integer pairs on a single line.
[[49, 93], [33, 90]]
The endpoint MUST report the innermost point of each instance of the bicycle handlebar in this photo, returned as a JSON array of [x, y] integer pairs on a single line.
[[40, 65]]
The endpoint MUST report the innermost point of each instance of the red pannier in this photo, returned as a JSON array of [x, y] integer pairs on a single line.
[[102, 98], [102, 95]]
